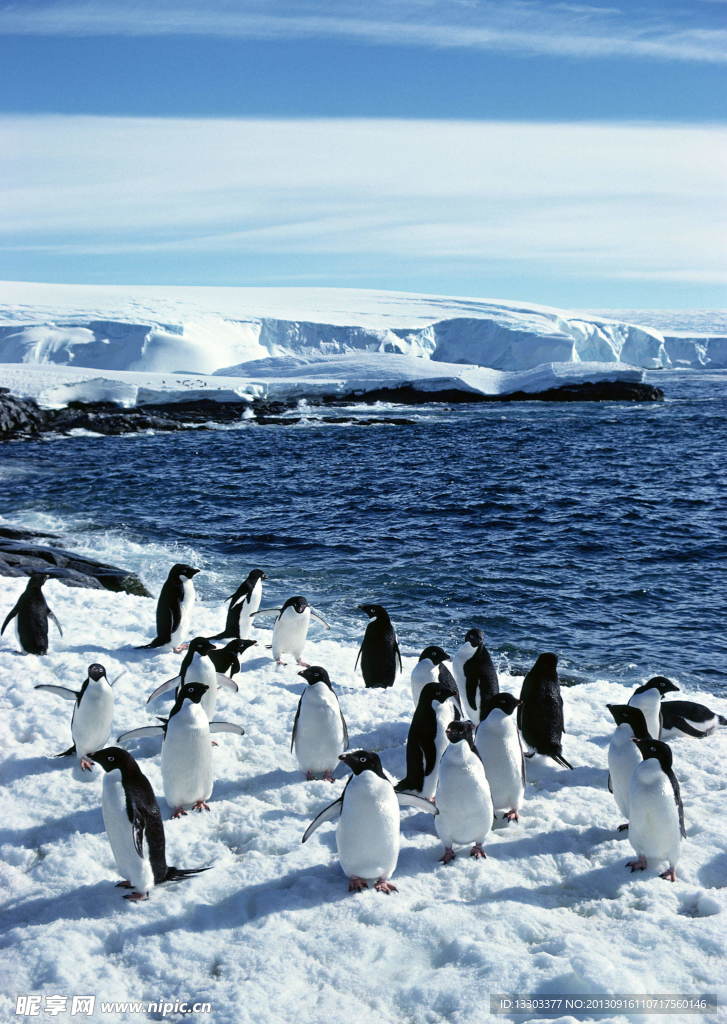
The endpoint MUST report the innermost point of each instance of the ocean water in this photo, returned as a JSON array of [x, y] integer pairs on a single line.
[[597, 531]]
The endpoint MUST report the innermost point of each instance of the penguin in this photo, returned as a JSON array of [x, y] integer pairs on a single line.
[[174, 607], [133, 823], [243, 605], [464, 800], [319, 730], [656, 813], [291, 628], [198, 667], [32, 613], [379, 651], [689, 718], [475, 674], [186, 750], [431, 669], [427, 740], [540, 714], [623, 754], [647, 698], [368, 830], [498, 743], [229, 658], [93, 712]]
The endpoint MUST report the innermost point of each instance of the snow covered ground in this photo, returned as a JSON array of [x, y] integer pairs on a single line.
[[270, 933]]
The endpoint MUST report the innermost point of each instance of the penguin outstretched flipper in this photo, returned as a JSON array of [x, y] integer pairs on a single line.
[[144, 730], [329, 813], [227, 683], [417, 802], [683, 726], [61, 691], [52, 615], [170, 684], [559, 759], [10, 616], [227, 727], [67, 753]]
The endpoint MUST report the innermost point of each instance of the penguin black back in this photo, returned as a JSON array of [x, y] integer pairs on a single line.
[[228, 659], [32, 612], [421, 746], [379, 651], [481, 680], [540, 715], [169, 605]]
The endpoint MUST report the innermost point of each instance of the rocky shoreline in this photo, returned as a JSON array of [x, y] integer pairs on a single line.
[[23, 419]]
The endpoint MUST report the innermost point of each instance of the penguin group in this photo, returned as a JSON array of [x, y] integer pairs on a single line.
[[465, 751]]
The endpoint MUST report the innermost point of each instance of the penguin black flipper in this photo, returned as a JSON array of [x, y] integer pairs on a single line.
[[610, 784], [447, 680], [358, 656], [10, 616], [52, 615], [144, 730], [67, 753], [61, 691], [295, 724], [677, 722], [677, 800], [329, 813], [345, 727], [559, 759], [398, 654]]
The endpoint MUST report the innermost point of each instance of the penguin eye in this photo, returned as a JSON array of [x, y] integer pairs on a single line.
[[362, 759], [112, 759]]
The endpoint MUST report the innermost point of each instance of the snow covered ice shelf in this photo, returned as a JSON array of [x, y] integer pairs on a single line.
[[270, 933]]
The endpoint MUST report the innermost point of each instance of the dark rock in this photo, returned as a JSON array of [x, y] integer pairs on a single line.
[[21, 558], [587, 391], [19, 417]]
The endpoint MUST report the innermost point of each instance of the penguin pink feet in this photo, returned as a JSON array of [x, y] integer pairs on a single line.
[[200, 806], [639, 864], [86, 765], [135, 897], [328, 777], [386, 887], [356, 884], [512, 816], [477, 852], [448, 856], [670, 875], [123, 884], [179, 812]]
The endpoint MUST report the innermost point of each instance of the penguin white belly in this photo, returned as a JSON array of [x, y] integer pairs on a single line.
[[499, 747], [649, 703], [319, 732], [623, 759], [422, 673], [249, 607], [186, 608], [91, 723], [202, 670], [368, 831], [132, 867], [187, 757], [444, 714], [653, 815], [463, 798], [290, 633]]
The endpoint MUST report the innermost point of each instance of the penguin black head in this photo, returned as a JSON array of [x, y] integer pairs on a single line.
[[625, 714], [374, 611], [238, 646], [315, 674], [434, 692], [111, 758], [474, 637], [660, 683], [256, 574], [661, 752], [435, 654], [181, 569], [37, 579], [96, 672], [546, 663], [461, 730], [363, 761], [298, 604], [505, 702], [193, 691], [201, 645]]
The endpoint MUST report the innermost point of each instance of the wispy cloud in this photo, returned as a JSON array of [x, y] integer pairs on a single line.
[[587, 199], [640, 30]]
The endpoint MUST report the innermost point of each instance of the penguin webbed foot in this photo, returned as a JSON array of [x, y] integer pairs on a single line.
[[511, 815], [180, 647], [328, 776], [136, 897], [477, 852], [623, 828], [386, 887], [201, 805], [179, 812], [448, 856], [303, 664], [638, 864], [86, 765], [670, 875], [123, 884], [356, 884]]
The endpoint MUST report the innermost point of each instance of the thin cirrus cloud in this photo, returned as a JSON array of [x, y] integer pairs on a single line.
[[618, 200], [645, 29]]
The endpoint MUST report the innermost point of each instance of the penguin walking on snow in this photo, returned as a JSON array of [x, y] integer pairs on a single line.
[[689, 718], [431, 669], [656, 813], [186, 750], [427, 740], [93, 712], [31, 612], [290, 631], [475, 674], [368, 833], [379, 651], [623, 754], [647, 699], [540, 715], [134, 826], [320, 734], [498, 743], [463, 794], [228, 660], [242, 606], [198, 667], [174, 607]]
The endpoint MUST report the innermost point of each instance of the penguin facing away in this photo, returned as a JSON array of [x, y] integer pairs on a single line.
[[499, 746], [623, 754], [475, 674], [431, 669], [319, 734], [540, 715], [198, 667], [369, 828], [379, 651], [229, 658], [647, 698], [187, 772], [134, 826], [93, 712], [174, 607], [689, 718], [463, 794], [427, 740], [290, 631], [32, 613], [656, 821], [242, 605]]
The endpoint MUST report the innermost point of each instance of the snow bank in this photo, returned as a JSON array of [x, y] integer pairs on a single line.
[[270, 933]]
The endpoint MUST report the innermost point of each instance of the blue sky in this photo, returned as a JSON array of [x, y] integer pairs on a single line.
[[567, 153]]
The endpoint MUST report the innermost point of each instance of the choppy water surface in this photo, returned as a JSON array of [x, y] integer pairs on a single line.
[[593, 530]]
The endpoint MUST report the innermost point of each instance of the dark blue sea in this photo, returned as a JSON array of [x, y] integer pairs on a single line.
[[596, 530]]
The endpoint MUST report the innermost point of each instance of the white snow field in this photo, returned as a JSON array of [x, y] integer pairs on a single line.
[[270, 933]]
